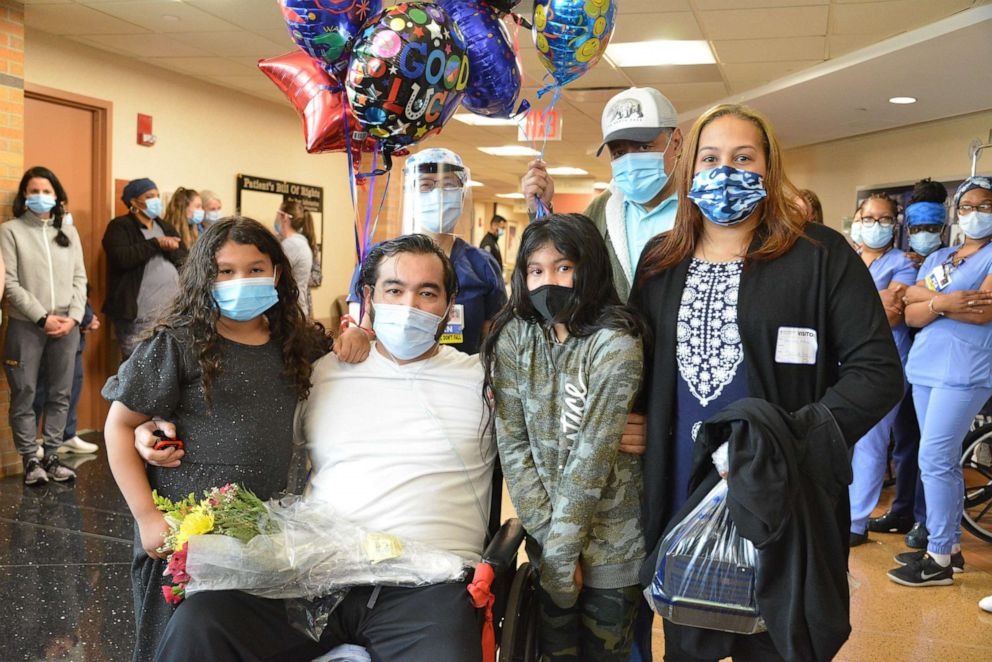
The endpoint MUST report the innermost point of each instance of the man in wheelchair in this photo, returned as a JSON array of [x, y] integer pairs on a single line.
[[398, 443]]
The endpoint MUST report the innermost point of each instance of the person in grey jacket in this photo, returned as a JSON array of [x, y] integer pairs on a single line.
[[46, 292], [563, 366]]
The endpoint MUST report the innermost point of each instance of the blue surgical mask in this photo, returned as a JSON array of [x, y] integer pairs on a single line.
[[640, 176], [877, 235], [976, 225], [67, 218], [405, 332], [153, 207], [40, 203], [277, 226], [500, 232], [924, 243], [244, 299], [726, 195], [197, 217], [212, 216], [438, 211], [856, 232]]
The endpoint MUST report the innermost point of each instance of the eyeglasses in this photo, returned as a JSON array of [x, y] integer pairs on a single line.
[[916, 229], [427, 185], [884, 221], [985, 208]]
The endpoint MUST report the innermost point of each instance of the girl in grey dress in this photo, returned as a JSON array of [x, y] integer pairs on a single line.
[[227, 366]]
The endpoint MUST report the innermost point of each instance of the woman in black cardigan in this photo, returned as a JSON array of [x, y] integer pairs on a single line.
[[143, 258], [747, 300]]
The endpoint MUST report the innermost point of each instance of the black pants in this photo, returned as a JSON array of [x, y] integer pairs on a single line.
[[426, 624], [746, 648]]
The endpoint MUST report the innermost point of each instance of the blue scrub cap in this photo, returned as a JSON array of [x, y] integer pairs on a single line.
[[136, 187]]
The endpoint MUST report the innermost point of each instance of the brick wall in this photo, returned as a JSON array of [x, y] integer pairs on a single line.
[[11, 169]]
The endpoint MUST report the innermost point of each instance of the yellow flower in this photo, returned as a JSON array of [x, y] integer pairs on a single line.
[[194, 524]]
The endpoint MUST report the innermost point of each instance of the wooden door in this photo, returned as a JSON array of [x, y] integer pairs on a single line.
[[68, 135]]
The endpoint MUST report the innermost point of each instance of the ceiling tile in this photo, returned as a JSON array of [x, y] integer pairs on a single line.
[[164, 16], [693, 73], [666, 25], [705, 5], [200, 66], [75, 20], [736, 51], [763, 23], [256, 15], [686, 96], [884, 19], [652, 6], [235, 43], [143, 45], [743, 77], [840, 44]]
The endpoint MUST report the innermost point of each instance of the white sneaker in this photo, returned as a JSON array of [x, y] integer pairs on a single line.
[[77, 445], [986, 603]]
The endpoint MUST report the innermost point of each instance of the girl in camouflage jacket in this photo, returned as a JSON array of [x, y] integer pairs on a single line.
[[563, 366]]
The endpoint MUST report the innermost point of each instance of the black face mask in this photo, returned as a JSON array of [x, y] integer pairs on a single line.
[[550, 300]]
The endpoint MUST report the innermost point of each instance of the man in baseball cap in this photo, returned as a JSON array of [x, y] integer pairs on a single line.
[[641, 134]]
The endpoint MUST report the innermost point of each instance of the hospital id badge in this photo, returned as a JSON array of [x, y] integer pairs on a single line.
[[454, 332], [939, 278]]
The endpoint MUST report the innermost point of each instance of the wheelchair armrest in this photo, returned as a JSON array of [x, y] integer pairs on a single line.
[[502, 549]]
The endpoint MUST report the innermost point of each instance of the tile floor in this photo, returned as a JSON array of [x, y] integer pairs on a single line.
[[65, 590]]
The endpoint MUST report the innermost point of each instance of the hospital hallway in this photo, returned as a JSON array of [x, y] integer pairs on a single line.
[[65, 552]]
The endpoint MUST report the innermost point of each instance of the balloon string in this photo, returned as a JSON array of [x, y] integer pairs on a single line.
[[382, 201], [546, 118], [351, 186], [371, 200]]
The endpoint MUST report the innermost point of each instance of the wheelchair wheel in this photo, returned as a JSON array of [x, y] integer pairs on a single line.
[[976, 465], [518, 640]]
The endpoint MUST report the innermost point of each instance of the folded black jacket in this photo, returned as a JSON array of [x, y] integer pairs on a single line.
[[787, 493]]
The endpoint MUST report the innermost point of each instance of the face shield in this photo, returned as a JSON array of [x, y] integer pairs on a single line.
[[436, 197]]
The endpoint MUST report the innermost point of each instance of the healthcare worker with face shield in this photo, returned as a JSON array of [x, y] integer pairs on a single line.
[[437, 202]]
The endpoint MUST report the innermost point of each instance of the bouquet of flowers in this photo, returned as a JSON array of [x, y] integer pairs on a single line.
[[289, 548]]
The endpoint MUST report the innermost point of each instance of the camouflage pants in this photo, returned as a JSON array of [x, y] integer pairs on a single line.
[[598, 628]]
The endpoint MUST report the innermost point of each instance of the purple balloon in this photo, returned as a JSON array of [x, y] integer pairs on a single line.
[[326, 29], [494, 79]]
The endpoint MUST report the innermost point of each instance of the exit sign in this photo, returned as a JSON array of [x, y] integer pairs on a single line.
[[540, 126]]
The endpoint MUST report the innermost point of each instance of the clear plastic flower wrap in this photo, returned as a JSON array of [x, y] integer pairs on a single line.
[[705, 572], [305, 550]]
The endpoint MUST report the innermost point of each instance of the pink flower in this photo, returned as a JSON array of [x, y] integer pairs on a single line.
[[177, 566], [174, 594]]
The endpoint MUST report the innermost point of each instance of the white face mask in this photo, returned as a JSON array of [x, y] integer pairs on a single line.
[[977, 225], [405, 332], [438, 211]]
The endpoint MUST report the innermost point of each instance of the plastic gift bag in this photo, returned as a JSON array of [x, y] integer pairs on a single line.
[[312, 552], [705, 571]]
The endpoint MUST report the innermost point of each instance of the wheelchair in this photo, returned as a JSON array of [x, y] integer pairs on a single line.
[[976, 465], [515, 607]]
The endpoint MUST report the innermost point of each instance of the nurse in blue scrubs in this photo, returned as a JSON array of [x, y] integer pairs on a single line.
[[950, 368], [893, 273]]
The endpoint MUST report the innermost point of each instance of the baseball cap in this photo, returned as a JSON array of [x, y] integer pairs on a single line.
[[638, 114]]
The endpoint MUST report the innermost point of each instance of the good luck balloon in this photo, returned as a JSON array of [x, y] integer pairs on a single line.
[[407, 74], [571, 35], [494, 79], [326, 29]]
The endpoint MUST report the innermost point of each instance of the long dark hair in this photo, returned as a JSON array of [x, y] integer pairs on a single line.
[[593, 304], [196, 312], [61, 199]]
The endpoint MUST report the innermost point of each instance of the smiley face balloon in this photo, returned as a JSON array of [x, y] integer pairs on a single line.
[[571, 35], [407, 74]]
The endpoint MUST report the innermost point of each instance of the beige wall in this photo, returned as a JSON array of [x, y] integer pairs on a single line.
[[206, 136], [836, 169]]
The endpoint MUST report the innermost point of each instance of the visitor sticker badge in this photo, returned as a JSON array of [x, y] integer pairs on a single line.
[[796, 345], [454, 332], [382, 547], [938, 279]]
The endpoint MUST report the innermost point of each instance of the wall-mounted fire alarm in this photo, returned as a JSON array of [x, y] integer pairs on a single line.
[[145, 135]]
